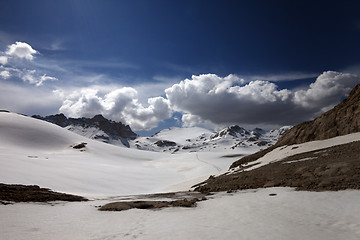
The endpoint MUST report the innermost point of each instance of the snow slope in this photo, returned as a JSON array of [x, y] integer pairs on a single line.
[[36, 152], [287, 151], [180, 135], [251, 214]]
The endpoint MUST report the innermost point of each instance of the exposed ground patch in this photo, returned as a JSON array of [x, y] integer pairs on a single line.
[[120, 206], [331, 169], [33, 193], [152, 201]]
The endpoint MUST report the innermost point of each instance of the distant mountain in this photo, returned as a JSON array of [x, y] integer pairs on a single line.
[[98, 128], [172, 140], [341, 120], [200, 139]]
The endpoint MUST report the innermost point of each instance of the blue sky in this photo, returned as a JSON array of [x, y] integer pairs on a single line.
[[155, 64]]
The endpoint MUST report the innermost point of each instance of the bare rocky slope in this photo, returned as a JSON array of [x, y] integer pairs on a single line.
[[341, 120], [334, 168]]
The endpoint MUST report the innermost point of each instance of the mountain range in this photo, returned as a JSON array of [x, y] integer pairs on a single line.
[[172, 140]]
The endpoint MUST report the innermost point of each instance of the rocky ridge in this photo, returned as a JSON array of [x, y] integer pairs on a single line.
[[98, 128], [341, 120]]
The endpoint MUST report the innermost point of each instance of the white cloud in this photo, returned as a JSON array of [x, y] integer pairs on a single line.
[[5, 74], [120, 104], [3, 60], [27, 71], [189, 120], [231, 100], [21, 50], [44, 78], [32, 77], [328, 88]]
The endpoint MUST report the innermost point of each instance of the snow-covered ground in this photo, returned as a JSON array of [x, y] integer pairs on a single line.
[[251, 214], [36, 152]]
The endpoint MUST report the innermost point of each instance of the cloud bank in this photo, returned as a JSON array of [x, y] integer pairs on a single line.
[[209, 100], [228, 100], [203, 100]]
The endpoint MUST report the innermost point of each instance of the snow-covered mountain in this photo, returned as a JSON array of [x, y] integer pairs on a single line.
[[98, 128], [197, 139], [171, 140]]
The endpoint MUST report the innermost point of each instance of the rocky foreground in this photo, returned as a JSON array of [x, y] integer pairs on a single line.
[[330, 169]]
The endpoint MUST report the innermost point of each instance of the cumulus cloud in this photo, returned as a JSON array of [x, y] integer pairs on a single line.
[[120, 104], [21, 50], [328, 88], [209, 97]]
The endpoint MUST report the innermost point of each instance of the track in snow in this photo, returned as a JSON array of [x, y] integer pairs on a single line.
[[213, 165]]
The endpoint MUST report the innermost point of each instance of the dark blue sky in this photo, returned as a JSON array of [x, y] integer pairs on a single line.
[[192, 37], [136, 42]]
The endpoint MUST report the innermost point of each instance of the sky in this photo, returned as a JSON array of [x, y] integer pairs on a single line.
[[157, 64]]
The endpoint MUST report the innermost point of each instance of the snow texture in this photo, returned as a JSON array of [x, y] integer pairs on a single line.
[[251, 214]]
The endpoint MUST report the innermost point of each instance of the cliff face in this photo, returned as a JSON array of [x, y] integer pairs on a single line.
[[341, 120]]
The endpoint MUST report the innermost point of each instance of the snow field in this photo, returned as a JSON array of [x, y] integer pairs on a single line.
[[37, 152], [250, 214]]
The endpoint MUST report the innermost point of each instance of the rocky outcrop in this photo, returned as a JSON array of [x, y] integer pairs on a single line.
[[341, 120], [165, 143], [108, 130], [33, 193]]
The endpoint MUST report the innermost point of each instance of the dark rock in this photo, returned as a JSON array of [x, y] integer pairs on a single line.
[[165, 143], [80, 145], [121, 206], [33, 193]]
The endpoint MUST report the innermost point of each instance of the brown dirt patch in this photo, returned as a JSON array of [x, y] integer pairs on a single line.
[[33, 193], [335, 168]]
